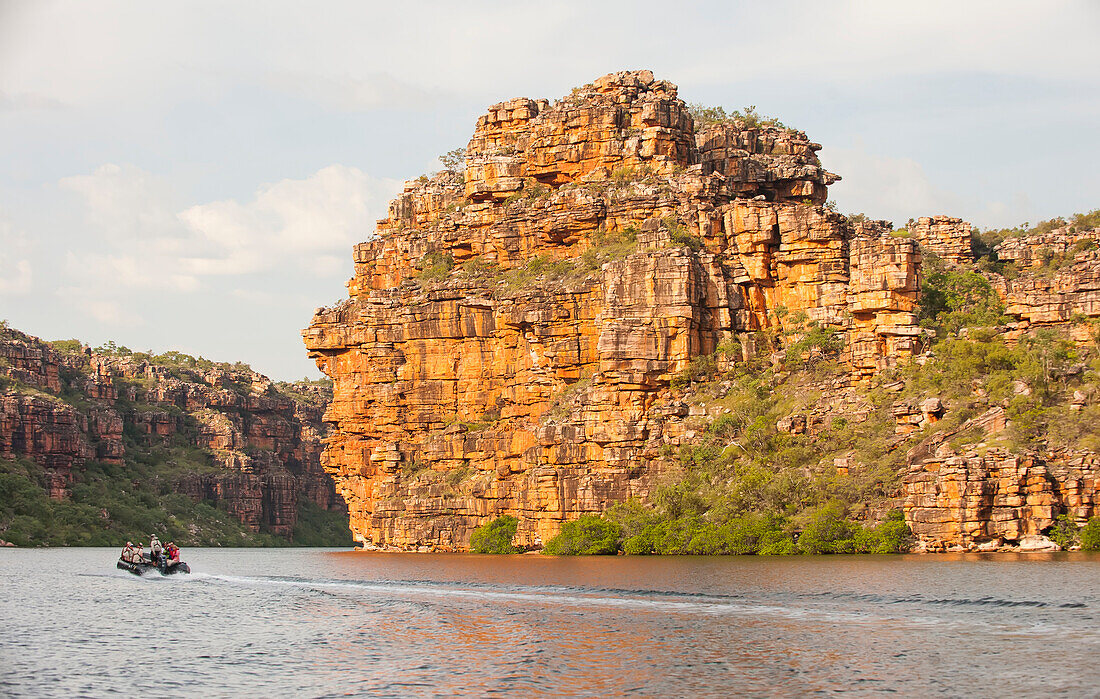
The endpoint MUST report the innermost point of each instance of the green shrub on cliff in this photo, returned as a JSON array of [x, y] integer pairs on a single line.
[[435, 265], [680, 236], [109, 505], [590, 535], [319, 527], [826, 341], [892, 536], [828, 531], [1065, 532], [1090, 535], [748, 117], [951, 299], [495, 536]]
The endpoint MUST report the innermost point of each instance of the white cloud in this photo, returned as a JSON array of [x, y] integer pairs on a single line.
[[347, 93], [898, 189], [884, 186], [15, 277], [100, 273], [27, 101], [127, 204], [860, 40], [221, 97], [105, 311], [15, 265], [295, 222], [145, 241]]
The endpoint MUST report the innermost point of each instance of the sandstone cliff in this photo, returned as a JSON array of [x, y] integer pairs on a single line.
[[216, 433], [609, 300], [513, 329]]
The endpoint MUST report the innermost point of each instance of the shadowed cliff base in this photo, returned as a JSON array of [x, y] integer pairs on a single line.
[[607, 299]]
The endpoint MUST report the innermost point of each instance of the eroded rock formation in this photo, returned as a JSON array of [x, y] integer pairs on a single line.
[[262, 443], [984, 498], [996, 498], [512, 331], [1061, 283], [944, 236]]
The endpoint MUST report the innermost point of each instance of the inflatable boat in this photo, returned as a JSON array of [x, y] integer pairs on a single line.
[[164, 567]]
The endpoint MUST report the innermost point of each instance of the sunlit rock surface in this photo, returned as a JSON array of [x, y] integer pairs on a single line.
[[512, 330]]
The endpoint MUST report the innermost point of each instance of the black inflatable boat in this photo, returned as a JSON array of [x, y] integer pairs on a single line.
[[163, 566]]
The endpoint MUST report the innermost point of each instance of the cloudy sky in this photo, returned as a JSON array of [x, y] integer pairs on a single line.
[[193, 175]]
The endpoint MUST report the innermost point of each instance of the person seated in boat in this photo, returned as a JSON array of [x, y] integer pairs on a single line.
[[128, 552], [173, 552], [155, 549], [139, 554]]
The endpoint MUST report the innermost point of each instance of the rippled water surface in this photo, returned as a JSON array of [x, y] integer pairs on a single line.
[[281, 622]]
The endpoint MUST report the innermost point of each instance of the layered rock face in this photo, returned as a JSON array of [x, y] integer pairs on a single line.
[[262, 443], [995, 498], [983, 499], [944, 236], [512, 331], [1031, 251], [48, 431], [1061, 283]]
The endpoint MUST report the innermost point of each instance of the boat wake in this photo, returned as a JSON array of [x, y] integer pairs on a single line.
[[793, 607]]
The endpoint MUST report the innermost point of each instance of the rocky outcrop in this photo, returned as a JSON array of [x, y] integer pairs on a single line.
[[1067, 295], [1061, 283], [48, 431], [946, 237], [33, 365], [1037, 250], [263, 441], [995, 499], [912, 416], [513, 331]]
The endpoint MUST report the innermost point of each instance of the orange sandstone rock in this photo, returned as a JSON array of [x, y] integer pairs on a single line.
[[511, 333], [970, 499], [944, 236]]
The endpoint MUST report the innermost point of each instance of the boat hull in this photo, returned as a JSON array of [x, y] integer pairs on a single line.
[[148, 566]]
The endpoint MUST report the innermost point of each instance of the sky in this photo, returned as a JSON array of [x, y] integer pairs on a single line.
[[192, 176]]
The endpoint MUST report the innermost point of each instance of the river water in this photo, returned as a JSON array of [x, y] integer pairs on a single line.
[[312, 622]]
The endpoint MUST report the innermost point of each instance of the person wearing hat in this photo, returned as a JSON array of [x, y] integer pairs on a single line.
[[139, 554], [128, 552], [155, 549]]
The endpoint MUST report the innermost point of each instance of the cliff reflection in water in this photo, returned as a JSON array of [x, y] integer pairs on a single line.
[[316, 623]]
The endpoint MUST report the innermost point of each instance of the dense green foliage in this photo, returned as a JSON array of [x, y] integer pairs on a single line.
[[317, 526], [636, 529], [953, 299], [110, 505], [1065, 532], [974, 367], [1090, 535], [495, 536], [590, 535]]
